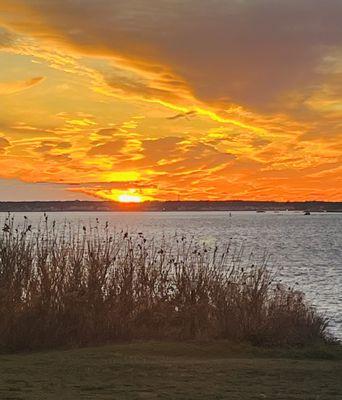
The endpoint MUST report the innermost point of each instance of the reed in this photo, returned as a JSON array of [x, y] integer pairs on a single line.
[[64, 286]]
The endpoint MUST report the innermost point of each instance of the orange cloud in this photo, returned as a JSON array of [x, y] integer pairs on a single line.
[[18, 86]]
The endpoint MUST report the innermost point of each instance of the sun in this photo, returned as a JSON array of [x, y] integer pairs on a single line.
[[130, 195], [129, 198]]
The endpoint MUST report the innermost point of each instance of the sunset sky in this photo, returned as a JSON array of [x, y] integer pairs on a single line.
[[168, 99]]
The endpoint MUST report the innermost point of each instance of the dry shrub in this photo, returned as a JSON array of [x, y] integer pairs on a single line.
[[90, 286]]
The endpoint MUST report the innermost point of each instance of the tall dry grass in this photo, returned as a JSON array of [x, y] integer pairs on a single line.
[[60, 286]]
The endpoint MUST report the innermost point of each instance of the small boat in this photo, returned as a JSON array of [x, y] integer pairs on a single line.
[[307, 213], [261, 211]]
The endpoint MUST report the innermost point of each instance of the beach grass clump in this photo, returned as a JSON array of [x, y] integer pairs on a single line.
[[65, 286]]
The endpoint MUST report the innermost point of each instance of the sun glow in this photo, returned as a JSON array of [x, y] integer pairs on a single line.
[[129, 198]]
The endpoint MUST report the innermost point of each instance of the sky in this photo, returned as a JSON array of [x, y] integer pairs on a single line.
[[137, 100]]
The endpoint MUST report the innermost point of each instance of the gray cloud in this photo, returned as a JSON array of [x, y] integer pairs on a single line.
[[17, 190], [251, 52]]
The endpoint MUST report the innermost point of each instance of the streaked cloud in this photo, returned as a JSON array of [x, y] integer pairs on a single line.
[[4, 143], [18, 86]]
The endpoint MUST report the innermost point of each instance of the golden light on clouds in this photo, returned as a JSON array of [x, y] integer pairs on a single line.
[[122, 195], [135, 101], [129, 198]]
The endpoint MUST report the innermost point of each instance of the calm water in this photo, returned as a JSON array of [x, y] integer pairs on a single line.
[[306, 249]]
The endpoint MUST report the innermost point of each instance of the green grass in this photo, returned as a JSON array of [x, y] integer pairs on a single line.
[[186, 371]]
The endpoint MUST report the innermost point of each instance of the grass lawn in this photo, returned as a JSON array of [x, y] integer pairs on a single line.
[[173, 371]]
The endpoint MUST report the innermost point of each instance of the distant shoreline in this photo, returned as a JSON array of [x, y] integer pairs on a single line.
[[175, 206]]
